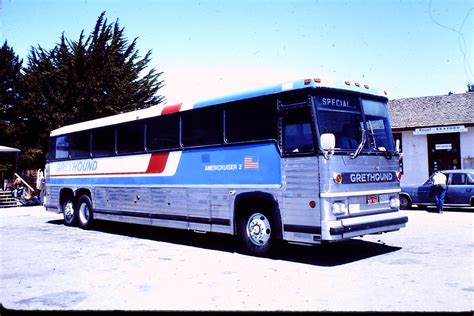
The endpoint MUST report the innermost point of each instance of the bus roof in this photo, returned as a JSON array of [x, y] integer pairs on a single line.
[[314, 83]]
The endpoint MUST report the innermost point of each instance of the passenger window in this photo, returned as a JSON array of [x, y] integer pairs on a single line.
[[251, 120], [163, 132], [458, 178], [297, 133], [62, 147], [130, 138], [103, 142], [202, 127], [79, 146]]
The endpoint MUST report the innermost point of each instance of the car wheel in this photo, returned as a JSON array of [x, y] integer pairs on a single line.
[[85, 213], [404, 202]]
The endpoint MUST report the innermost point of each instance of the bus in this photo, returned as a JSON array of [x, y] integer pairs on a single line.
[[307, 161]]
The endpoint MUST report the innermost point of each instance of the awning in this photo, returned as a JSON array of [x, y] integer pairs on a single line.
[[6, 149]]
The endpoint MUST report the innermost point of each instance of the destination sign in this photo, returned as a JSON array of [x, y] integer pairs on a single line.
[[337, 102], [368, 177]]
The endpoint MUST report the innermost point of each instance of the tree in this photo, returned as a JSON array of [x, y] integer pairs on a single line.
[[85, 79], [11, 91]]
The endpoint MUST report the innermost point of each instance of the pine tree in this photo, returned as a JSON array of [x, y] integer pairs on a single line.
[[11, 91], [85, 79]]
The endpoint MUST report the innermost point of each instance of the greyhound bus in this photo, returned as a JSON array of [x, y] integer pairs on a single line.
[[307, 161]]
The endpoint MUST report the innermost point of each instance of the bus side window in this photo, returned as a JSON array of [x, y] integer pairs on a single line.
[[131, 137], [202, 127], [103, 142], [162, 132], [251, 120], [62, 147], [80, 145], [297, 133]]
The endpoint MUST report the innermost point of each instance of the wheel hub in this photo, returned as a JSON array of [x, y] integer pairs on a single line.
[[69, 210], [258, 229]]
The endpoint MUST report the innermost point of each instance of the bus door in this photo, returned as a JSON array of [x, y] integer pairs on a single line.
[[301, 202]]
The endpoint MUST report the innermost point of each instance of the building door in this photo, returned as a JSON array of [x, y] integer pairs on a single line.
[[444, 151]]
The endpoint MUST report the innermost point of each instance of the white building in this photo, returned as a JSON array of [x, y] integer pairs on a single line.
[[435, 133]]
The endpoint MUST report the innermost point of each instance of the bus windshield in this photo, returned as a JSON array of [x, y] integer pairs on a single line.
[[378, 125], [343, 116]]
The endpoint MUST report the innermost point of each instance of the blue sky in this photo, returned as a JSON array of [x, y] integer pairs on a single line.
[[208, 48]]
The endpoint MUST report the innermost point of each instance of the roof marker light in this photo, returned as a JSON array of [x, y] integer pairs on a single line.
[[357, 84], [317, 80], [307, 81], [366, 86], [348, 83]]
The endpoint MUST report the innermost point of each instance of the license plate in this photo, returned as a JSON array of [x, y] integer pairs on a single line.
[[372, 199]]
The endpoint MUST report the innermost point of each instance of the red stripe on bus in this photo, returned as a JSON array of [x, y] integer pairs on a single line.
[[157, 162], [171, 108]]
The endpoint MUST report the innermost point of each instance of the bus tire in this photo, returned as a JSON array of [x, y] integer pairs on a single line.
[[69, 212], [255, 233], [84, 212]]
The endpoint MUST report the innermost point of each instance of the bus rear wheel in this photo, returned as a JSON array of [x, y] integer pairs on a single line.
[[255, 232], [84, 210], [69, 212]]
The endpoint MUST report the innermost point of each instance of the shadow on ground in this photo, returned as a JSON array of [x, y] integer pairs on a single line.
[[333, 254], [448, 209]]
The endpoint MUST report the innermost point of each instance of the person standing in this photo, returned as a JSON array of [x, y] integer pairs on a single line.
[[39, 185], [439, 187]]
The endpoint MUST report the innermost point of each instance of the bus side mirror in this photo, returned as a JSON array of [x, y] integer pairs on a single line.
[[328, 142]]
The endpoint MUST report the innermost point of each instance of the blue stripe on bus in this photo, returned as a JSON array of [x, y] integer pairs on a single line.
[[257, 164]]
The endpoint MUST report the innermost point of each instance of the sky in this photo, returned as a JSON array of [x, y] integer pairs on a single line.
[[209, 48]]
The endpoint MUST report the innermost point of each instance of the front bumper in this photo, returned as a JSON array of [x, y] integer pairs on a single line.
[[362, 225]]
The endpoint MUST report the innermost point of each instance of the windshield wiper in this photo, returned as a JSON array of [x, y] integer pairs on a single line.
[[372, 134], [385, 152], [381, 148], [361, 145]]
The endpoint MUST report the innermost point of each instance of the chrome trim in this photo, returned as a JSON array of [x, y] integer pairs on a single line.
[[357, 193]]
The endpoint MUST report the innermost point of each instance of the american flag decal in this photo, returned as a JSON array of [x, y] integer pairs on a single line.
[[251, 163]]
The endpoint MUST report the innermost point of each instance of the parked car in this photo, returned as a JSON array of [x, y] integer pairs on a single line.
[[459, 192]]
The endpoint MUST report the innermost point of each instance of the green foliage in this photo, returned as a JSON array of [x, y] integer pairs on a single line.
[[81, 80], [11, 92]]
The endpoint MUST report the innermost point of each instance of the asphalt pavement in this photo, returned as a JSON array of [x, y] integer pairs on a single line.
[[44, 265]]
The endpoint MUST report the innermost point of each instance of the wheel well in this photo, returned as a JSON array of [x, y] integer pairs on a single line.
[[74, 194], [83, 191], [65, 194], [407, 196], [258, 200]]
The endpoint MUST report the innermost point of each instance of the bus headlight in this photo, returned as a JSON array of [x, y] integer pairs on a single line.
[[339, 208], [394, 202]]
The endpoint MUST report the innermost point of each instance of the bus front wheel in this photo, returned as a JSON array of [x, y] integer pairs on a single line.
[[69, 212], [255, 232], [84, 210]]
